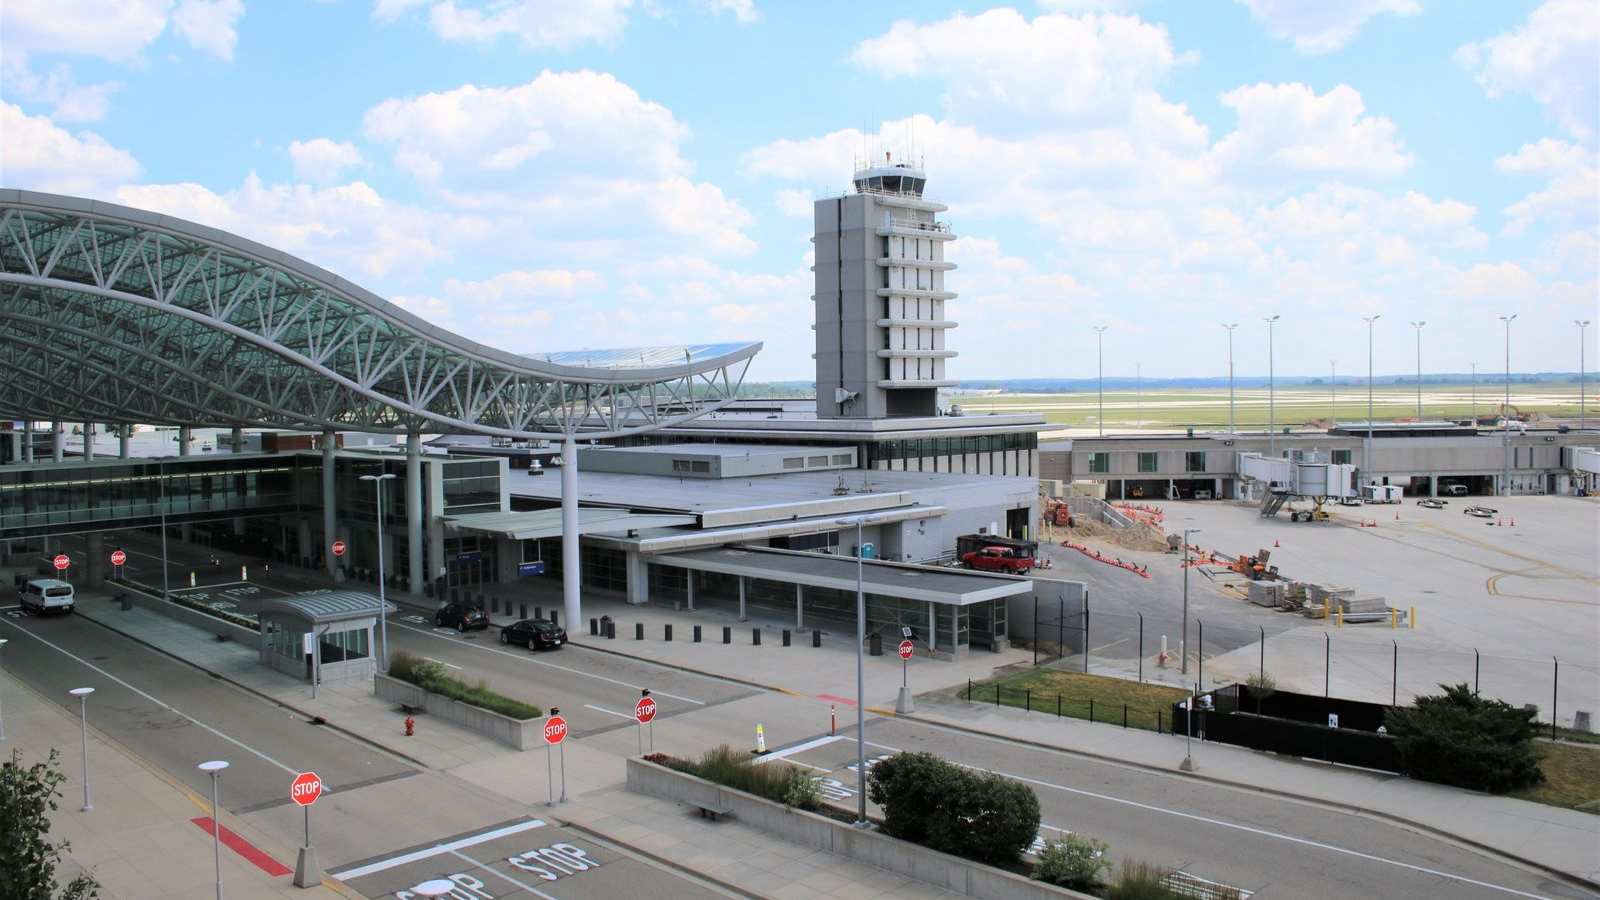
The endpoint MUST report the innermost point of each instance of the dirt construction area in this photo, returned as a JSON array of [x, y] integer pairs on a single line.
[[1508, 604]]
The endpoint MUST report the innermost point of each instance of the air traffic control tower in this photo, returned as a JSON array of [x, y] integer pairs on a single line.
[[880, 297]]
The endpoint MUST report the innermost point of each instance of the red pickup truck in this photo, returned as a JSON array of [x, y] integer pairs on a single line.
[[998, 559]]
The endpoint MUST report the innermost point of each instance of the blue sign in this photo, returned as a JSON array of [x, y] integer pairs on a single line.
[[526, 569], [465, 558]]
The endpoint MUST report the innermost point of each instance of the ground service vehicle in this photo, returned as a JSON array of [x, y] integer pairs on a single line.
[[998, 559], [47, 595]]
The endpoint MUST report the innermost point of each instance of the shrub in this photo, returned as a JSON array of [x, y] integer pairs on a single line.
[[431, 677], [27, 858], [1073, 862], [986, 817], [1461, 739], [1140, 881], [780, 783]]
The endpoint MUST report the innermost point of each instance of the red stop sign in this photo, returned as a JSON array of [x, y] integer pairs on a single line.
[[61, 562], [644, 710], [338, 548], [555, 730], [306, 789], [906, 649], [118, 557]]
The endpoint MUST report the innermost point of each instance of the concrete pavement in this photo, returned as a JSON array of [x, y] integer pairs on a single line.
[[1554, 839]]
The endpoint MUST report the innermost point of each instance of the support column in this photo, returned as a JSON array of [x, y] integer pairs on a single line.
[[741, 599], [689, 576], [185, 438], [16, 446], [799, 610], [933, 627], [95, 563], [58, 441], [571, 581], [418, 569], [27, 442], [236, 439], [330, 503], [88, 441], [125, 441], [638, 577]]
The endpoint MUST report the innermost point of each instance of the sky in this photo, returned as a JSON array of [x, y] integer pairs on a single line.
[[548, 175]]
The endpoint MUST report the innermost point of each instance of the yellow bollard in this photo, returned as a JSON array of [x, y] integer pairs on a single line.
[[1339, 618], [1326, 609], [1413, 617], [1394, 615]]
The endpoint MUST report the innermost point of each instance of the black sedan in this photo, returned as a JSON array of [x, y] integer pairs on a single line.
[[534, 633], [462, 617]]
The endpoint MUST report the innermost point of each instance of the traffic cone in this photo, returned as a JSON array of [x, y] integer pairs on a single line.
[[1500, 521], [1397, 517], [1275, 542], [1513, 522]]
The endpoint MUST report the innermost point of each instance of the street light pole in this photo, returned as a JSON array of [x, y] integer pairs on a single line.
[[83, 716], [2, 711], [161, 485], [1505, 413], [383, 603], [1138, 394], [1333, 391], [1366, 452], [1418, 327], [1272, 413], [1230, 375], [1474, 395], [214, 769], [1100, 342], [861, 672], [1583, 349], [1183, 645]]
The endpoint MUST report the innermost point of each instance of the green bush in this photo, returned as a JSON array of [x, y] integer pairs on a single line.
[[1072, 862], [431, 677], [926, 799], [1141, 881], [780, 783], [1461, 739]]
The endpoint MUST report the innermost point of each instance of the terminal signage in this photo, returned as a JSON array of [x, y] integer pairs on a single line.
[[530, 568]]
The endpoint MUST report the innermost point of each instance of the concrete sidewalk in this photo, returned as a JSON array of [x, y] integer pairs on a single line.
[[1553, 839]]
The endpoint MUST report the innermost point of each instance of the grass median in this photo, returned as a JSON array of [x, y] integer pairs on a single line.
[[1571, 776], [1098, 698]]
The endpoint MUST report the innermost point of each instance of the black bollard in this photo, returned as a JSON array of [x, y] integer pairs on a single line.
[[611, 630], [816, 637], [697, 634], [555, 618], [755, 637], [669, 631], [727, 634], [638, 631], [538, 613], [786, 637], [524, 608], [594, 625]]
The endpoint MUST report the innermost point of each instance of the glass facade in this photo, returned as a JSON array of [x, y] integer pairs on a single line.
[[132, 493], [1147, 462]]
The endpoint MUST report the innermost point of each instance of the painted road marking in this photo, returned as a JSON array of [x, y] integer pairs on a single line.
[[528, 658], [245, 849], [831, 698], [608, 712], [441, 662], [527, 887], [167, 706], [1305, 842], [437, 850], [800, 748]]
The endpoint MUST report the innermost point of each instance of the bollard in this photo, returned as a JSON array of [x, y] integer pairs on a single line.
[[523, 608], [638, 631], [697, 634], [611, 630], [538, 613], [594, 625], [668, 627], [1394, 615], [1413, 619], [555, 618], [786, 637], [755, 637], [1338, 618], [727, 634], [816, 637]]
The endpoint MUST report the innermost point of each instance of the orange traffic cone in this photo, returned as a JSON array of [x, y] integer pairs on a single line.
[[1397, 517], [1513, 522], [1499, 521], [1275, 542]]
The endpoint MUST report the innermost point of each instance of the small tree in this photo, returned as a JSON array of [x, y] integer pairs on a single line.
[[28, 861], [1072, 862], [1461, 739], [941, 805]]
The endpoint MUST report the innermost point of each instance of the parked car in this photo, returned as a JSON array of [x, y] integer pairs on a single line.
[[47, 595], [1454, 490], [1431, 503], [534, 634], [462, 617]]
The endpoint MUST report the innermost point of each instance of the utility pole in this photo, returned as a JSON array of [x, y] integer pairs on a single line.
[[1505, 414], [1230, 375]]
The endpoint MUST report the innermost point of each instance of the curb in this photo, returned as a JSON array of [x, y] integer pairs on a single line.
[[1410, 824]]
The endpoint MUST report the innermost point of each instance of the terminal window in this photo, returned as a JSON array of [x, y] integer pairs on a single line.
[[1147, 462], [1196, 461], [1099, 462]]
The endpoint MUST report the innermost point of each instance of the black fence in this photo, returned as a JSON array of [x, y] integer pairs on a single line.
[[1107, 712], [1296, 725]]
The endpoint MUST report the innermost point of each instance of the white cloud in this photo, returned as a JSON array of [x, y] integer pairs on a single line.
[[1289, 128], [72, 102], [1318, 26], [1572, 191], [997, 64], [322, 160], [1552, 58], [580, 155], [535, 24], [209, 25], [38, 155], [743, 11], [115, 31]]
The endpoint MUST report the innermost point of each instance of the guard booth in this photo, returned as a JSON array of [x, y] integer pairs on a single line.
[[331, 632]]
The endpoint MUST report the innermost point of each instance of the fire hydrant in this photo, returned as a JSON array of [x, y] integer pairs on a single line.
[[411, 725]]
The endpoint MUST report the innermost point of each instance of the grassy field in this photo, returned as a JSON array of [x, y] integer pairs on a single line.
[[1078, 696], [1167, 409], [1571, 776]]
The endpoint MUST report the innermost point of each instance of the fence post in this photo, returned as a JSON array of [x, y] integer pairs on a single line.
[[997, 693], [1091, 709], [1027, 699], [1555, 693], [1477, 663], [1327, 663], [1058, 706], [1124, 717], [1085, 631], [1141, 648], [1158, 722], [969, 690], [1394, 694], [1200, 655]]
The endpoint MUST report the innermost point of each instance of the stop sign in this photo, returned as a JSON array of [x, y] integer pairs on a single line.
[[905, 649], [555, 730], [118, 557], [338, 548], [644, 710], [61, 562], [306, 789]]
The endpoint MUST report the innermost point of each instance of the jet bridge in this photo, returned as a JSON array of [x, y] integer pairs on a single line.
[[1307, 475]]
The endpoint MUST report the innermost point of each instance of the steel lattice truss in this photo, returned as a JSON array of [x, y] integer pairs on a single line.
[[110, 314]]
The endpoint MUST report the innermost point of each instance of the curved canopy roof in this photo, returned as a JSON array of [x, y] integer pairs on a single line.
[[113, 314]]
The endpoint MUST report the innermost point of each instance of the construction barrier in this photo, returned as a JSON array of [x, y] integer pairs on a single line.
[[1096, 555]]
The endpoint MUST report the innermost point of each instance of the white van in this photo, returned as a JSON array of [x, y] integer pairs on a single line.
[[47, 595]]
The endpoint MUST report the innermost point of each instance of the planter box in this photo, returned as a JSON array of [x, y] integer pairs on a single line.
[[520, 734], [870, 846]]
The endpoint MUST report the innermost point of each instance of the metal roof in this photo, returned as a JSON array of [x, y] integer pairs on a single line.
[[542, 523], [951, 587], [114, 314], [326, 609]]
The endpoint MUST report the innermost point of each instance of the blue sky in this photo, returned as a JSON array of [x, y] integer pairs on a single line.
[[545, 175]]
